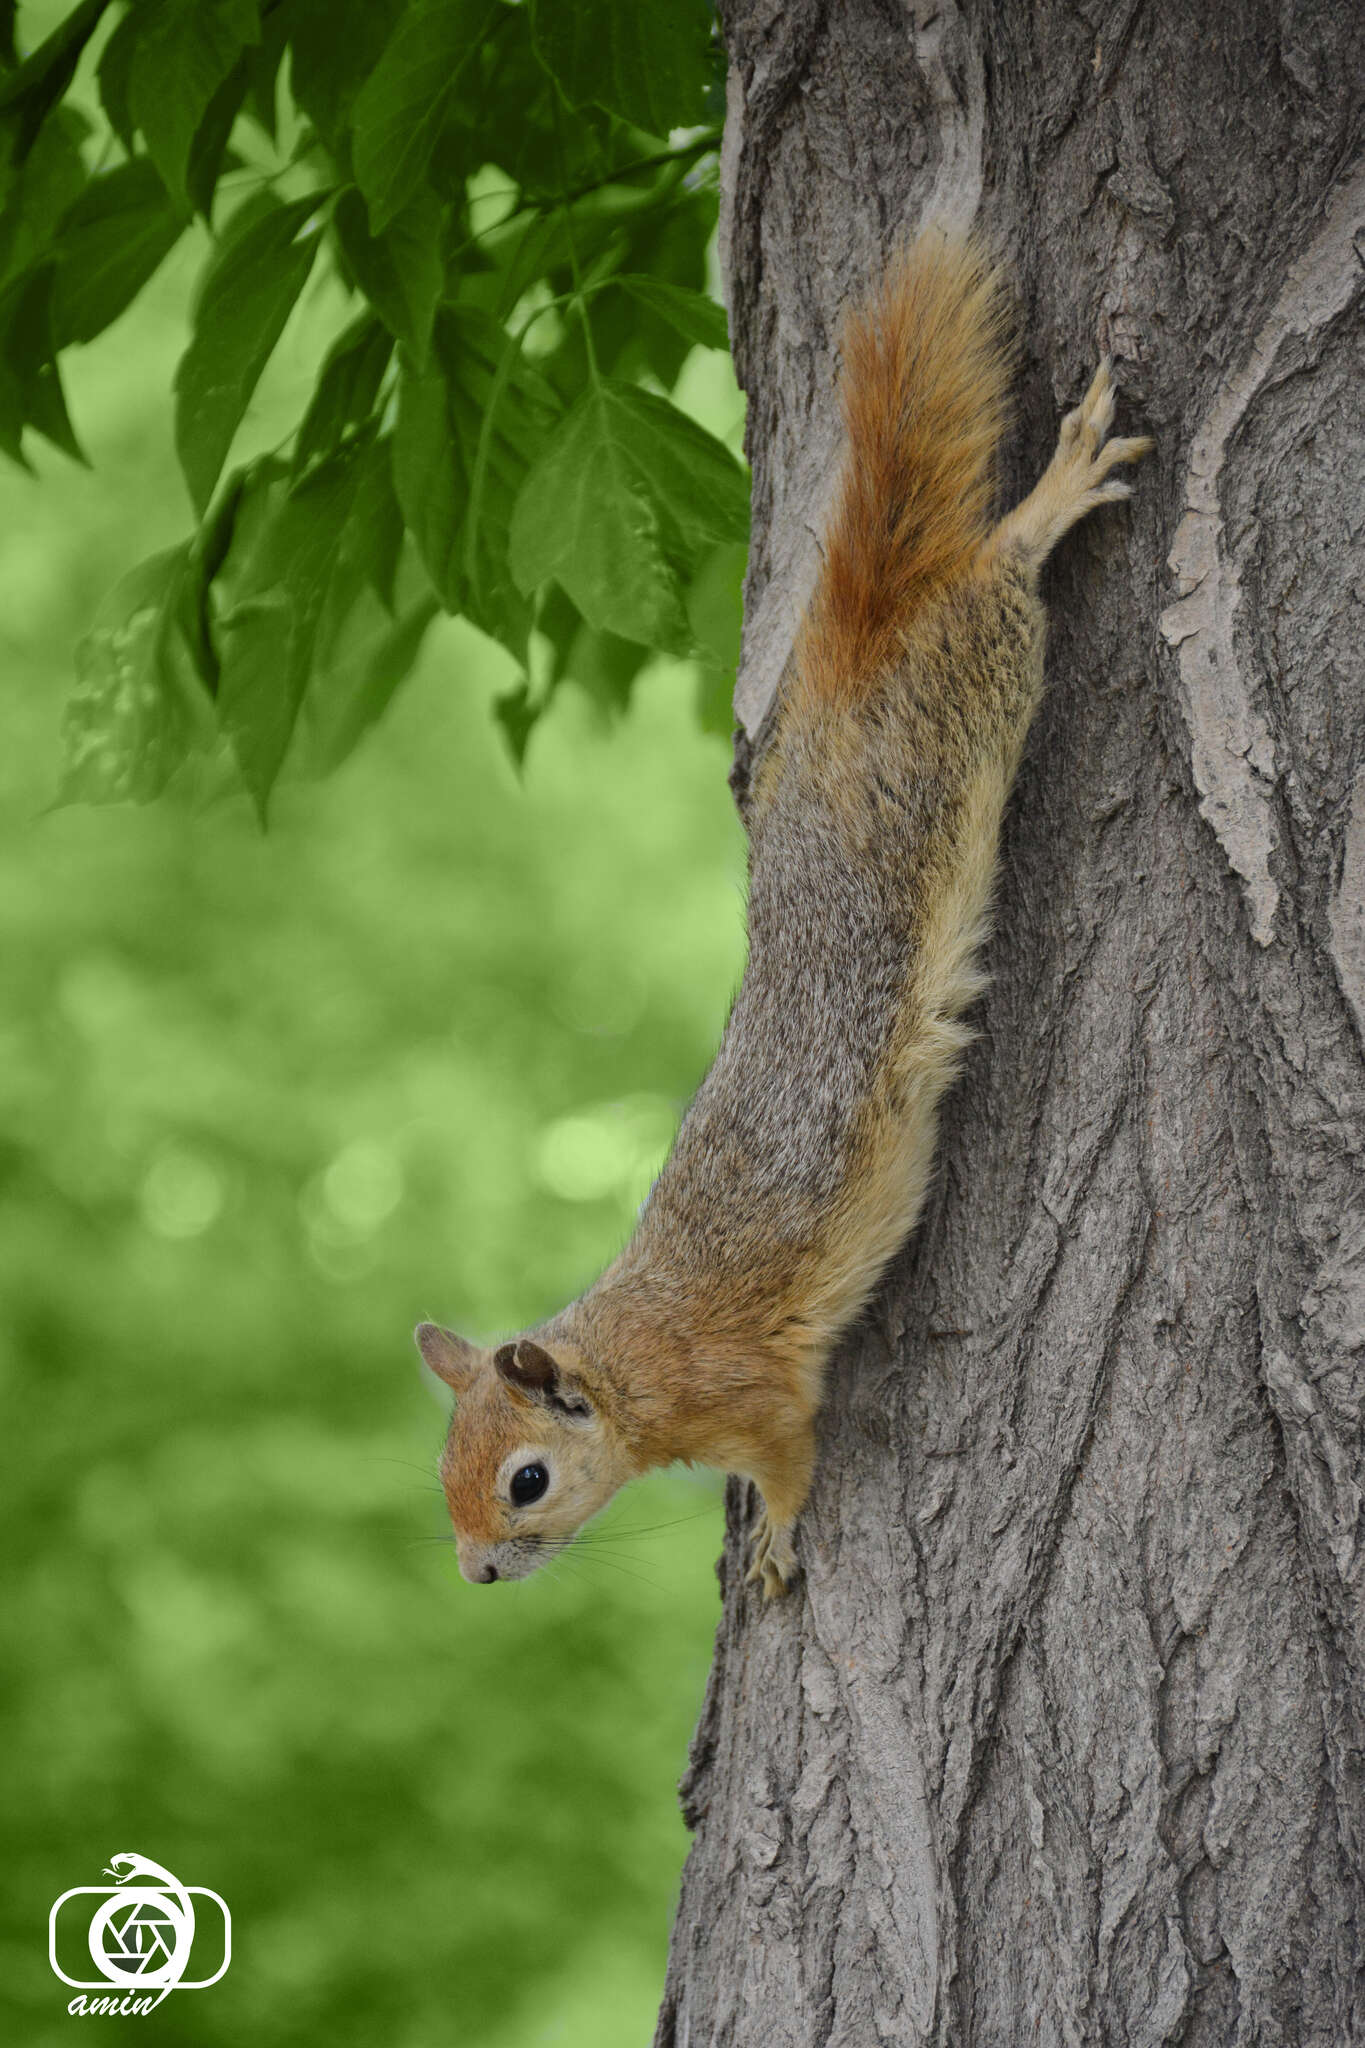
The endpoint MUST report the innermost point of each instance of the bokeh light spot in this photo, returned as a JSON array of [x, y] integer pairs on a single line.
[[182, 1194], [614, 1148]]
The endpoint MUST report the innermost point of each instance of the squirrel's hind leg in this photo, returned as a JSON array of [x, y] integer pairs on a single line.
[[784, 1484], [1074, 482]]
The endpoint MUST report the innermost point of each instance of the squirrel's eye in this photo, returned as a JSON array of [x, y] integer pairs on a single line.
[[528, 1484]]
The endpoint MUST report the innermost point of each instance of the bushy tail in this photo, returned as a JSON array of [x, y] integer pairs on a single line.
[[925, 373]]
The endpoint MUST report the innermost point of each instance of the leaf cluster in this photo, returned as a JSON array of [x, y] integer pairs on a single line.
[[516, 198]]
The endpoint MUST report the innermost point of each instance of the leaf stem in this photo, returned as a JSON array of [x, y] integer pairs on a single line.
[[566, 206], [511, 354], [541, 205]]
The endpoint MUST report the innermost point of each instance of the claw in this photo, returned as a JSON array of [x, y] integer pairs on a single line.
[[1097, 407]]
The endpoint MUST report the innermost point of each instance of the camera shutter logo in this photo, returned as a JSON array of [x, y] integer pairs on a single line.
[[140, 1936]]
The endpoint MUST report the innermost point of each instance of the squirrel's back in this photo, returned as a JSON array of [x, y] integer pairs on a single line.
[[926, 365], [873, 825]]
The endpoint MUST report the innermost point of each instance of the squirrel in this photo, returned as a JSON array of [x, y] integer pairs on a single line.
[[874, 819]]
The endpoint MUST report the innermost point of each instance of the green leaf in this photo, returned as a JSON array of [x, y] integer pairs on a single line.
[[183, 51], [208, 151], [335, 46], [111, 241], [114, 77], [428, 490], [409, 98], [271, 592], [558, 623], [715, 611], [374, 532], [246, 296], [623, 502], [715, 605], [540, 150], [208, 552], [646, 60], [28, 94], [262, 93], [400, 270], [357, 674], [715, 701], [603, 666], [665, 243], [30, 385], [698, 319], [525, 251], [518, 716], [347, 387], [50, 178], [362, 651], [446, 415], [139, 705]]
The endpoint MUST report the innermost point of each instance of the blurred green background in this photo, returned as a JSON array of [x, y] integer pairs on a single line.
[[264, 1101]]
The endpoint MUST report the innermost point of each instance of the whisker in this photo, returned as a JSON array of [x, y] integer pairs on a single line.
[[615, 1564], [610, 1529]]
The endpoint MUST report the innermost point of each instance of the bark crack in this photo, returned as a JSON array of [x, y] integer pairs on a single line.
[[1232, 753]]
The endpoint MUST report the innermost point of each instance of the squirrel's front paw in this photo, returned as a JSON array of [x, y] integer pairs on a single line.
[[1076, 480], [774, 1559], [1085, 457]]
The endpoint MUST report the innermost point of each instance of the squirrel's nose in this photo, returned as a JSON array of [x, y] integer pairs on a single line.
[[488, 1574]]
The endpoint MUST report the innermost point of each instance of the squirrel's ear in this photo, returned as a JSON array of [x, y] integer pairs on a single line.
[[448, 1356], [529, 1369]]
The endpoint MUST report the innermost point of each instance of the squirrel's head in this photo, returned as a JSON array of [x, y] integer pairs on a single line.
[[531, 1454]]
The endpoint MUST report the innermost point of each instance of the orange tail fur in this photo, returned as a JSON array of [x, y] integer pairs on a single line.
[[925, 373]]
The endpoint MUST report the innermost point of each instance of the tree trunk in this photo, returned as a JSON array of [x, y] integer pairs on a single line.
[[1059, 1738]]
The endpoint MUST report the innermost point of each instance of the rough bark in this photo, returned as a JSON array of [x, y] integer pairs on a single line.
[[1059, 1740]]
